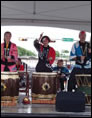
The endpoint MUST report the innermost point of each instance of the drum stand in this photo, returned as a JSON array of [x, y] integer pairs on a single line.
[[84, 83], [26, 90]]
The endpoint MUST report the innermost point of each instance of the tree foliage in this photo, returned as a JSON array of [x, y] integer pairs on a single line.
[[24, 52], [65, 51], [57, 54]]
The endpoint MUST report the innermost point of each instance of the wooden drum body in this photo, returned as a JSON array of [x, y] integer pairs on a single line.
[[44, 85], [10, 81]]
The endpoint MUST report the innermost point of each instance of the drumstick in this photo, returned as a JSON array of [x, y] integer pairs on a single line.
[[7, 45], [90, 43], [53, 41], [1, 50], [40, 36]]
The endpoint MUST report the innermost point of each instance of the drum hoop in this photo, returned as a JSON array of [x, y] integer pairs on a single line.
[[10, 96], [42, 76], [5, 77], [3, 98], [49, 96], [9, 73], [40, 73], [83, 75]]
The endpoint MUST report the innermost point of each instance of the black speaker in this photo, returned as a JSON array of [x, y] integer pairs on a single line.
[[70, 101]]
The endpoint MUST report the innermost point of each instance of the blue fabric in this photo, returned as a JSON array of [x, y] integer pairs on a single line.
[[62, 69], [77, 52]]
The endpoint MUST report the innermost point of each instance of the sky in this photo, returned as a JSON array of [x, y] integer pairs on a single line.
[[33, 32]]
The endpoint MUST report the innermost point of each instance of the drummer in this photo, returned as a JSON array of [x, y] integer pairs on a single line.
[[62, 71], [81, 54], [46, 54], [9, 54]]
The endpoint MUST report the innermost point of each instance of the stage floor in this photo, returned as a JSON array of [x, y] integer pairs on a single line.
[[39, 110]]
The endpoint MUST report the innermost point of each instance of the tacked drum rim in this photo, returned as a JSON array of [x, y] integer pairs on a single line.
[[50, 96], [42, 76], [8, 98], [6, 77], [44, 73], [38, 74], [9, 75]]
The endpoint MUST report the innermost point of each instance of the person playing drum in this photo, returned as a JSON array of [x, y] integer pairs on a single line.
[[46, 54], [62, 71], [9, 54], [81, 54]]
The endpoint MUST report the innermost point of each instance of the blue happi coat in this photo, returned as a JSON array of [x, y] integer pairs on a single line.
[[77, 52]]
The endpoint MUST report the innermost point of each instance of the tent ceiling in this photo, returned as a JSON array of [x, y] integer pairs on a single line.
[[63, 14]]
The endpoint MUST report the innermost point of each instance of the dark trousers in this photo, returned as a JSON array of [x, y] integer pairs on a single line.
[[72, 80], [7, 64], [62, 80], [41, 67]]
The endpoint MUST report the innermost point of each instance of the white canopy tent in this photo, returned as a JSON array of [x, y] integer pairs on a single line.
[[63, 14]]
